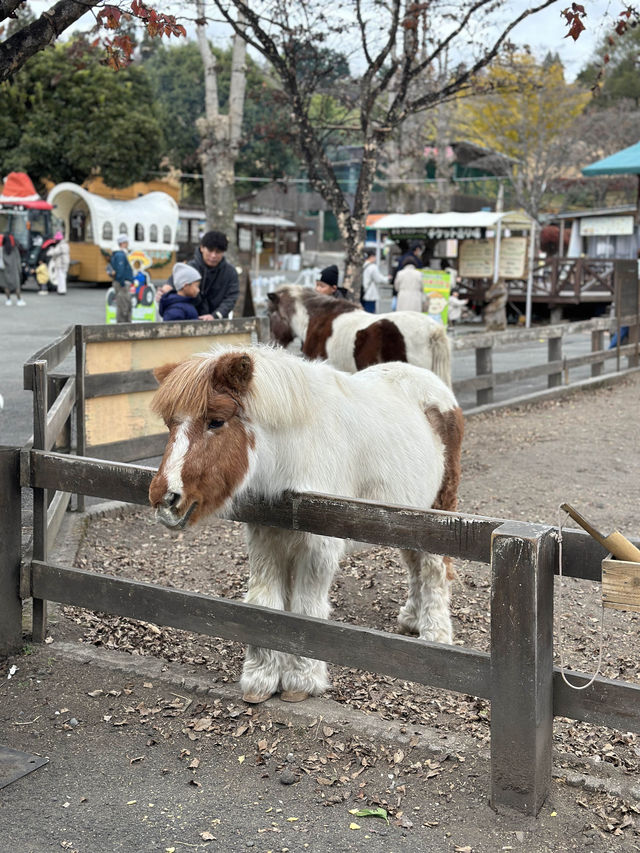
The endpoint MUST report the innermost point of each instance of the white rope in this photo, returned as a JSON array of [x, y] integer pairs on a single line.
[[562, 668]]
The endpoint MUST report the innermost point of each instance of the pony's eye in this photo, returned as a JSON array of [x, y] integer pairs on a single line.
[[215, 424]]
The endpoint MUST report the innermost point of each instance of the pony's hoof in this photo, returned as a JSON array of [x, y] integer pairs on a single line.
[[294, 695], [407, 630], [256, 698]]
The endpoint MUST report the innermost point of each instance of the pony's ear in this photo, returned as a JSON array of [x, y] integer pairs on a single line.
[[236, 371], [162, 372], [273, 297]]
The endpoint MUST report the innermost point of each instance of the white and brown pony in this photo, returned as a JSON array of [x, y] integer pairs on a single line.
[[263, 421], [351, 339]]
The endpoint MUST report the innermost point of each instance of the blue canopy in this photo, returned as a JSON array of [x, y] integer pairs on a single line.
[[625, 162]]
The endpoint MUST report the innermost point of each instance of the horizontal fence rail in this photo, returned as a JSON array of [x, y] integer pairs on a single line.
[[556, 368], [455, 534], [464, 670]]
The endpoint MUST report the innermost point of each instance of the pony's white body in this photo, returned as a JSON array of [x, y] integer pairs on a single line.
[[299, 441], [310, 427], [425, 340], [416, 329]]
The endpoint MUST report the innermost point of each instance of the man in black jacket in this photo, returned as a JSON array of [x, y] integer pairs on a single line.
[[219, 286]]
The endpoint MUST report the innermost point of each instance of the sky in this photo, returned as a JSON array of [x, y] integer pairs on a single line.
[[543, 32]]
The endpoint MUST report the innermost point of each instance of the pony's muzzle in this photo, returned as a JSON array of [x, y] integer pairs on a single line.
[[170, 499], [167, 511]]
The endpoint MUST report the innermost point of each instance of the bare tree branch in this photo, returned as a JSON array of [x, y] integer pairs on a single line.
[[26, 42]]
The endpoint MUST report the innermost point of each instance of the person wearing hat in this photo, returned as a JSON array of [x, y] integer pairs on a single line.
[[122, 279], [327, 284], [179, 302], [59, 259], [219, 287]]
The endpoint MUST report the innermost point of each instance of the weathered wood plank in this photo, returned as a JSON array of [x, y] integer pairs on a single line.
[[53, 353], [60, 412], [519, 335], [123, 382], [132, 449], [621, 585], [464, 670], [10, 546], [456, 534], [521, 666], [40, 496], [149, 331], [606, 703], [55, 513]]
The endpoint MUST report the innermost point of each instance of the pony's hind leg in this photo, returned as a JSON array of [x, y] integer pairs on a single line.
[[268, 581], [409, 616], [313, 572], [435, 618], [426, 612]]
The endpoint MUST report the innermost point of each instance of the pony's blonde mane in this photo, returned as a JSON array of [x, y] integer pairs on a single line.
[[186, 390], [278, 393]]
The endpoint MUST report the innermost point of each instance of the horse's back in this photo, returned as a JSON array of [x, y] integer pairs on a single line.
[[361, 339]]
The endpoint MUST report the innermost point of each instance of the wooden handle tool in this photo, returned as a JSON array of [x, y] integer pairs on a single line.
[[616, 543]]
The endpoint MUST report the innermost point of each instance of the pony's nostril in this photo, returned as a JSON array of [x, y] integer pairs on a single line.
[[170, 499]]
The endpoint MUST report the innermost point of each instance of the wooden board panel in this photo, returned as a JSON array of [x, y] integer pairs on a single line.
[[120, 417], [621, 585], [115, 356]]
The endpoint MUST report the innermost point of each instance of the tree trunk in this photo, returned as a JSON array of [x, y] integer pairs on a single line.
[[220, 135]]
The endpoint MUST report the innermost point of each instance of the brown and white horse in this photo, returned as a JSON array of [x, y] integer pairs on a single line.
[[263, 421], [352, 339]]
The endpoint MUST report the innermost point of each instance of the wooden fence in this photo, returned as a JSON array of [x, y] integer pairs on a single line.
[[518, 676], [559, 281], [557, 368]]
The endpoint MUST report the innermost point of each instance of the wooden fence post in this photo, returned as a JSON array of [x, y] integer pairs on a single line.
[[554, 346], [10, 552], [40, 496], [81, 444], [597, 344], [521, 665], [484, 365]]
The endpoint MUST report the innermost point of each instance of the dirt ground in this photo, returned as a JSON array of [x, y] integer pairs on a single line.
[[517, 464]]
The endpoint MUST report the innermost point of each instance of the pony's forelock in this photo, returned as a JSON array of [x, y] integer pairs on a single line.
[[186, 389]]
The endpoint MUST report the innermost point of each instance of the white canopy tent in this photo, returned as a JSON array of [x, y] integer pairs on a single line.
[[461, 226]]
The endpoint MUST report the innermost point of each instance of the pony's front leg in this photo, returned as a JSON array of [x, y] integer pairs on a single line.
[[268, 580], [313, 570], [434, 621]]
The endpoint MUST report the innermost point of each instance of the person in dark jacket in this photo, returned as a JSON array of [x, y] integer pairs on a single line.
[[219, 287], [178, 303], [327, 284]]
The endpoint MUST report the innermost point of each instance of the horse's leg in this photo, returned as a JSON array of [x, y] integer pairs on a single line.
[[435, 618], [268, 581], [313, 571], [408, 618]]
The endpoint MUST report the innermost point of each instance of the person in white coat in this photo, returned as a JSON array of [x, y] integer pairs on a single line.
[[371, 278], [59, 259], [408, 283]]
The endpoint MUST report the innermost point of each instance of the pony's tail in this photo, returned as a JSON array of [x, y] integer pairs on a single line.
[[440, 347]]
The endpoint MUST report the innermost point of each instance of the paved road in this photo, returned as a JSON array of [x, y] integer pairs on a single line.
[[23, 331]]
